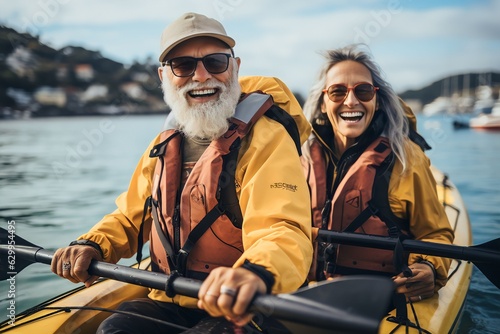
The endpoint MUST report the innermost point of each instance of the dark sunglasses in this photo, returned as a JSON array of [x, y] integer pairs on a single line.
[[214, 63], [363, 92]]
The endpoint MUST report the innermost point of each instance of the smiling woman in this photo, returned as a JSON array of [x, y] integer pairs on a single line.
[[368, 174]]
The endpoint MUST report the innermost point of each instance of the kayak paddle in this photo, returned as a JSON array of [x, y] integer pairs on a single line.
[[346, 305], [485, 256]]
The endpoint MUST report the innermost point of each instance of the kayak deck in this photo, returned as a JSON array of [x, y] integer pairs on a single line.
[[442, 312]]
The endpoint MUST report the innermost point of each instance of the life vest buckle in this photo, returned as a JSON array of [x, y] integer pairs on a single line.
[[330, 257], [394, 232]]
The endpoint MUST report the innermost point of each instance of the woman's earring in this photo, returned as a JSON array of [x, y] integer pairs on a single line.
[[322, 118]]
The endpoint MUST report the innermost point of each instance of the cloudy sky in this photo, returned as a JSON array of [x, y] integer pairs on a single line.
[[416, 42]]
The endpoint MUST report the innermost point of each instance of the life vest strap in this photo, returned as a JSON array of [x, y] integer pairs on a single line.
[[370, 210], [159, 149], [140, 238], [164, 240], [195, 235]]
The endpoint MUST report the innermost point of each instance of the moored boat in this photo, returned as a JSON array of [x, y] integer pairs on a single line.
[[489, 121], [480, 122], [486, 111], [81, 310]]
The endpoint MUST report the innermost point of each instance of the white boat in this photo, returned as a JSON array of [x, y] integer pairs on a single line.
[[489, 121]]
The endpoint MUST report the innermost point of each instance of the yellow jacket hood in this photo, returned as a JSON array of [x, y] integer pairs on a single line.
[[282, 96]]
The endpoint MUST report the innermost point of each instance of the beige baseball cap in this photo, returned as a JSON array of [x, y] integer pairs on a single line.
[[188, 26]]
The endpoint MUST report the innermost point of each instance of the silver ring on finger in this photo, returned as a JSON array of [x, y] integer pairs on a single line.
[[225, 290], [66, 266]]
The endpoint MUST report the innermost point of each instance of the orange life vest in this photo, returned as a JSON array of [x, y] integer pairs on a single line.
[[359, 205], [198, 228]]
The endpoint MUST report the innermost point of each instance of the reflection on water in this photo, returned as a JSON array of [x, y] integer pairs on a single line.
[[59, 176]]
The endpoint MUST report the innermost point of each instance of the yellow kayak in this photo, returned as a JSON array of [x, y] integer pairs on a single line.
[[81, 310], [442, 313]]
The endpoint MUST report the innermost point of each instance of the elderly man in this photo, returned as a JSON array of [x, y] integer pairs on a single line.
[[226, 198]]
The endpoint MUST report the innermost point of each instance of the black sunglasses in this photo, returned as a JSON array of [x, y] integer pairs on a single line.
[[363, 91], [214, 63]]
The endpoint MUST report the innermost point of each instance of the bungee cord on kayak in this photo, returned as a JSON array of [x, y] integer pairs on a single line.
[[404, 321], [59, 309]]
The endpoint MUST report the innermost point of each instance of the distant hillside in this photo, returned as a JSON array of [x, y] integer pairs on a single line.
[[37, 80], [453, 84]]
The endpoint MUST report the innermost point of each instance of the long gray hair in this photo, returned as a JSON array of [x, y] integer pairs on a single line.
[[396, 128]]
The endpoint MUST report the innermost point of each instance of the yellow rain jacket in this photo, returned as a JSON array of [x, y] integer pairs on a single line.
[[277, 221], [413, 196]]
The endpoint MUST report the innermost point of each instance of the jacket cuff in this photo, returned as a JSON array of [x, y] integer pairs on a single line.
[[262, 272], [85, 242], [423, 261]]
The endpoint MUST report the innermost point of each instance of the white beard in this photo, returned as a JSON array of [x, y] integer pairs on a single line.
[[203, 120]]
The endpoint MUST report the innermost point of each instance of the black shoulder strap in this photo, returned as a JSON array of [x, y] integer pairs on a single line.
[[281, 116], [228, 201], [380, 199]]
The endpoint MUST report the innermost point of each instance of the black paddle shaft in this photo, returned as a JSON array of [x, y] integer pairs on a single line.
[[319, 316], [485, 253], [485, 256]]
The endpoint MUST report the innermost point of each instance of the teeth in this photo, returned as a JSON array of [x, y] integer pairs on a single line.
[[203, 92], [351, 114]]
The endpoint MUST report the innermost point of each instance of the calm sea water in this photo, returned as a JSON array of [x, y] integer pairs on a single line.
[[59, 176]]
